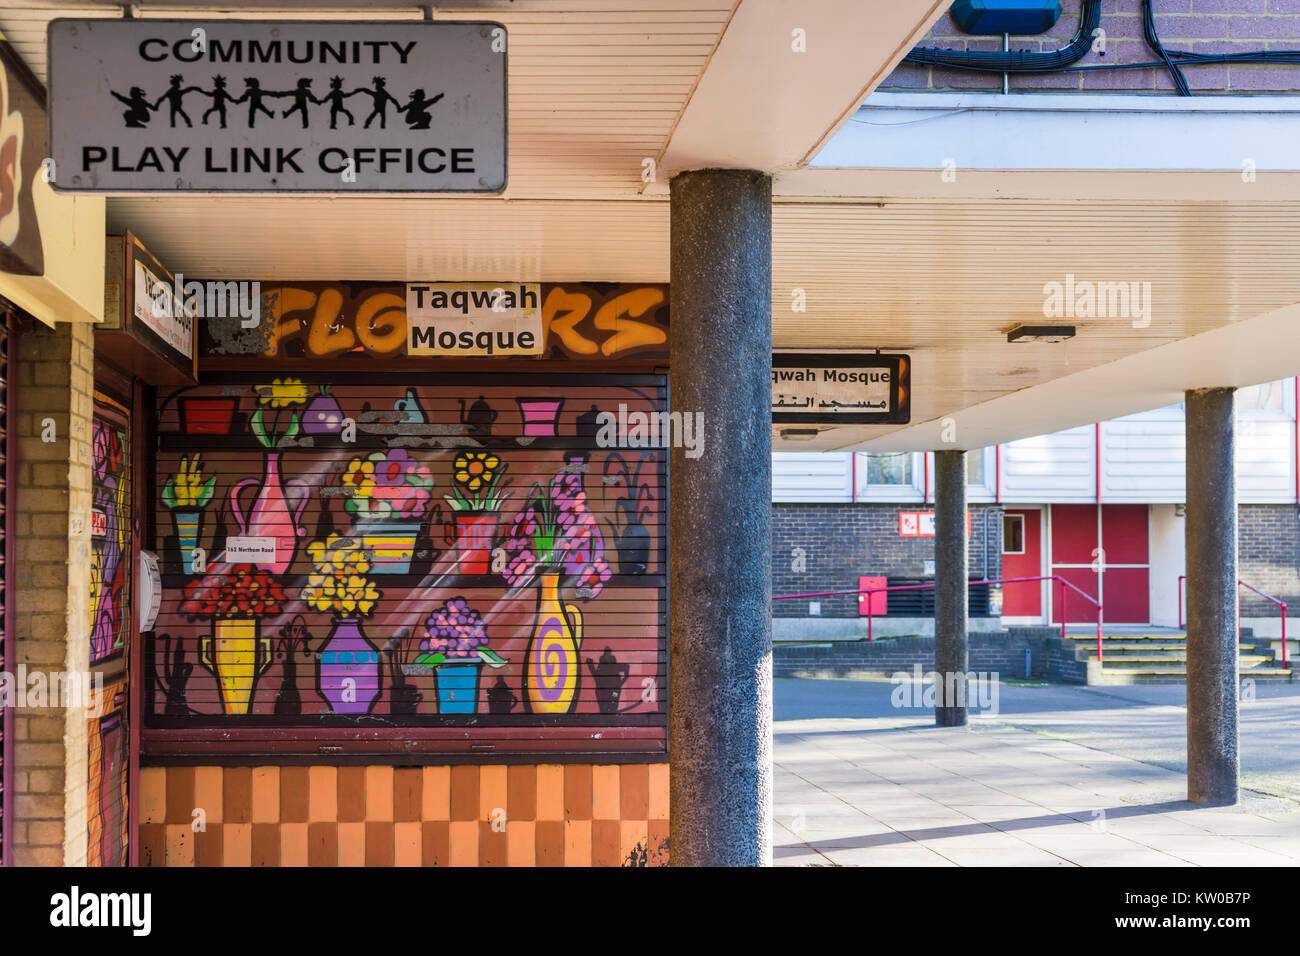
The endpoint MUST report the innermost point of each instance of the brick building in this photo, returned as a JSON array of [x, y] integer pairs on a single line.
[[838, 518]]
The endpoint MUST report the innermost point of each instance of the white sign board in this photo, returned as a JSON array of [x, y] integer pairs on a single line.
[[250, 549], [474, 318], [157, 307], [323, 106], [840, 388]]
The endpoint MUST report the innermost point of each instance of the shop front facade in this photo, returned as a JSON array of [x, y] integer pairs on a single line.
[[412, 609]]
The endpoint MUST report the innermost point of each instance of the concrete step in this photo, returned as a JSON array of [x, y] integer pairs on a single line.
[[1171, 675], [1245, 660]]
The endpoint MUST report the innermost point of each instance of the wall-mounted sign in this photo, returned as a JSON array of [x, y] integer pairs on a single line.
[[22, 148], [156, 306], [148, 327], [844, 389], [920, 524], [216, 105], [474, 318], [250, 549]]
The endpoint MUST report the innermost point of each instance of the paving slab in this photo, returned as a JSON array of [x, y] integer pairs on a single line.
[[1071, 777]]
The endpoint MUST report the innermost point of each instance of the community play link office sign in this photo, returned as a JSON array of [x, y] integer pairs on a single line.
[[162, 105]]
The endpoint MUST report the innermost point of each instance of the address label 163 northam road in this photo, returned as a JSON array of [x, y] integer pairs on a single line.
[[232, 105]]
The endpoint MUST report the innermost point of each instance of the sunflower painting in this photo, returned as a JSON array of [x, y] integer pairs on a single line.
[[477, 484]]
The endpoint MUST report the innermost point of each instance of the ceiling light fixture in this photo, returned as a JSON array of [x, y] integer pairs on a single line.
[[1040, 333]]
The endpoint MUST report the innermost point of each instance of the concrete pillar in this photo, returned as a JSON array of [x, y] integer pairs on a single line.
[[951, 657], [720, 631], [1211, 529]]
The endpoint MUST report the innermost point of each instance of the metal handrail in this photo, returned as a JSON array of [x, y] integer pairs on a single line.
[[1241, 584], [919, 587]]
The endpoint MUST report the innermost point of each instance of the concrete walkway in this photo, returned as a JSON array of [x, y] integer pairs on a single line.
[[1060, 776]]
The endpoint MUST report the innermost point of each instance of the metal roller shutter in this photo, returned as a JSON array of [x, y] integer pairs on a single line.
[[111, 570], [458, 562]]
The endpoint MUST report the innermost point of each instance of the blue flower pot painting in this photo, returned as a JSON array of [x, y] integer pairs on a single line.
[[458, 686], [455, 643]]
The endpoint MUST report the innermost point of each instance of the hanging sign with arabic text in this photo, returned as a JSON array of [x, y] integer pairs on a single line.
[[838, 388], [166, 105]]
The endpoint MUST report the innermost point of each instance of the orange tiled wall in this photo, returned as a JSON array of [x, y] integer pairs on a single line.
[[527, 815]]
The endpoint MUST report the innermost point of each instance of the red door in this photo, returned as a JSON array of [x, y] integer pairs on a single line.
[[1022, 557], [1117, 544], [1126, 585]]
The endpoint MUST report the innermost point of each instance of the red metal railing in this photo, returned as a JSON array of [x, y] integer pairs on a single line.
[[1241, 584], [921, 587]]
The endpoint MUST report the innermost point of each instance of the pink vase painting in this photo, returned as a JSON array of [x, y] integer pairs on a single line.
[[270, 515]]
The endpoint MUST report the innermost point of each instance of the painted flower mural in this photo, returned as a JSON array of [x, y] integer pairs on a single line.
[[187, 494], [347, 670], [477, 497], [236, 598], [389, 493], [456, 643], [110, 531], [271, 514], [555, 535], [486, 631]]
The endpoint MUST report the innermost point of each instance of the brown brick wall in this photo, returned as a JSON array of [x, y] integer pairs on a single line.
[[52, 588], [842, 541], [1198, 26]]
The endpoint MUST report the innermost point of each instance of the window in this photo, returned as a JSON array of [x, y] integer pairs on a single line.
[[889, 468], [1013, 534], [975, 467], [1262, 398]]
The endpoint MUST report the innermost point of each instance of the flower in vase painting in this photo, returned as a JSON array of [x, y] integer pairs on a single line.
[[555, 531], [338, 582], [453, 632], [282, 393], [243, 591], [387, 485]]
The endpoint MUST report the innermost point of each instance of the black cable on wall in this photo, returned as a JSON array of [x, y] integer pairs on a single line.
[[1060, 61]]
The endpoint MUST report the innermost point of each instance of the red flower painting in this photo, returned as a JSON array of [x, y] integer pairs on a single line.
[[242, 591]]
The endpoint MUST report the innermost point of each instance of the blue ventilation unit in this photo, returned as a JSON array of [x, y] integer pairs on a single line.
[[1017, 17]]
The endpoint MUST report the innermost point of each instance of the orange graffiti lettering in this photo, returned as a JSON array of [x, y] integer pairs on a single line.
[[388, 335], [574, 306], [629, 334]]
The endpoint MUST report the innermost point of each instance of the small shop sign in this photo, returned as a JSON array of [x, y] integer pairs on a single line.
[[148, 328], [474, 319], [920, 524], [838, 388], [230, 105], [251, 549]]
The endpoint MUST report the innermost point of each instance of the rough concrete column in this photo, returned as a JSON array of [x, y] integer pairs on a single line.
[[720, 631], [54, 404], [1211, 529], [950, 577]]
